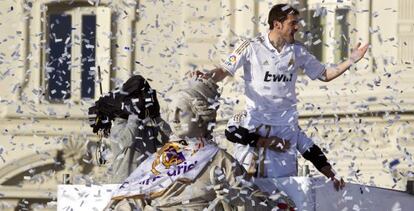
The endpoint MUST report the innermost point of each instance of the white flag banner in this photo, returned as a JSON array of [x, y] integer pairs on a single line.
[[178, 160]]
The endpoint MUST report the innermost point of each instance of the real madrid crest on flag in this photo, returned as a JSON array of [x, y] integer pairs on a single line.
[[177, 160], [170, 154]]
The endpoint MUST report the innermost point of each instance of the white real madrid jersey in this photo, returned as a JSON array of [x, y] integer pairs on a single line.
[[270, 78]]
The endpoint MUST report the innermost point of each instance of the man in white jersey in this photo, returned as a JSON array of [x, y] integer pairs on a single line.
[[271, 63]]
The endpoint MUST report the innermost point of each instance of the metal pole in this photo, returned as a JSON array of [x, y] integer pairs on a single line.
[[99, 145], [100, 79]]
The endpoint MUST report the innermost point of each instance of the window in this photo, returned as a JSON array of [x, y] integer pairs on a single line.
[[313, 32], [88, 56], [322, 39], [58, 66], [77, 43], [343, 21]]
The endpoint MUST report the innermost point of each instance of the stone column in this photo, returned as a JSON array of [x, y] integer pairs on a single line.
[[362, 24], [123, 39], [329, 36]]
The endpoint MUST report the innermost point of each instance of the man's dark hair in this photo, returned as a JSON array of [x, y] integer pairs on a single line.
[[280, 12]]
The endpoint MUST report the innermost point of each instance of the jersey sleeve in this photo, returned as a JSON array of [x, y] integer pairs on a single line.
[[237, 58], [311, 66]]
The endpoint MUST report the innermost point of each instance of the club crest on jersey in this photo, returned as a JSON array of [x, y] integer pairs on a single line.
[[231, 60], [170, 154]]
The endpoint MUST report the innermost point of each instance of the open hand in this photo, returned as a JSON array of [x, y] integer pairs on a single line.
[[358, 52], [197, 74]]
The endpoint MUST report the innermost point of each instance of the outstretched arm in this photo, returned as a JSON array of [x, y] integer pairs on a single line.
[[315, 155], [356, 55]]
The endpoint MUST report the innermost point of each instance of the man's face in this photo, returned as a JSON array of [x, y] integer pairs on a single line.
[[288, 28]]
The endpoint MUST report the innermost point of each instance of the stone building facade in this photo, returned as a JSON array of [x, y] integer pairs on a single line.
[[50, 51]]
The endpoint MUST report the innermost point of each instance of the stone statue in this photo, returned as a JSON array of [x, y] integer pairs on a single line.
[[190, 172]]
